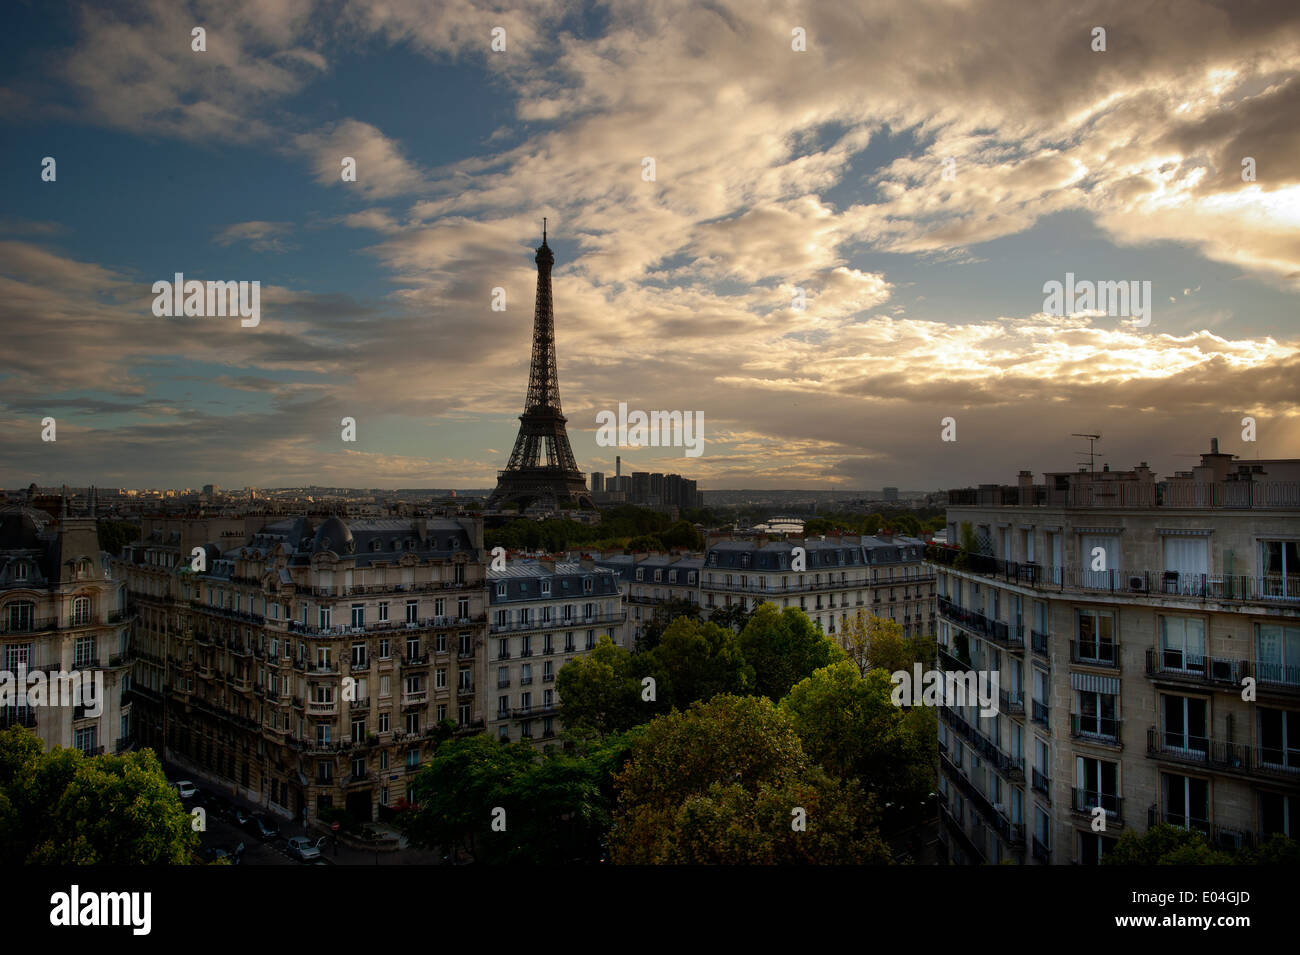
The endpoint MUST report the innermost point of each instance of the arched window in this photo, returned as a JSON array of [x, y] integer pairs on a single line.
[[20, 616], [80, 611]]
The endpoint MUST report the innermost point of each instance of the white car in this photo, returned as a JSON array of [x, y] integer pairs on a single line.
[[186, 789], [304, 849]]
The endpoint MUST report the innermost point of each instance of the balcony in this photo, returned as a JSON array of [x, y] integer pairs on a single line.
[[1269, 762], [1189, 668], [1275, 678], [1040, 713], [1012, 833], [1005, 635], [1013, 702], [1095, 653], [1041, 852], [17, 716], [503, 684], [1040, 642], [322, 708], [411, 661], [1085, 801], [1012, 767], [1095, 729], [415, 699], [1041, 784], [464, 691]]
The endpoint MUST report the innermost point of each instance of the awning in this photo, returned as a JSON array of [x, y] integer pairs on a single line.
[[1095, 683]]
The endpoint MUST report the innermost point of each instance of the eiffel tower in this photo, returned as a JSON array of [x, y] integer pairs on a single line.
[[542, 468]]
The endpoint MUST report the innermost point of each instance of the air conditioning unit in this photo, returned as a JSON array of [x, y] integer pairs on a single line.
[[1137, 583], [1221, 670]]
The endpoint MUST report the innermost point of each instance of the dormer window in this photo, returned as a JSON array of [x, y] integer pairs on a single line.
[[83, 567], [586, 585], [546, 588], [20, 571], [501, 590]]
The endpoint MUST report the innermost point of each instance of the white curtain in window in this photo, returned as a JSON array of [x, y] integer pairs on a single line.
[[1189, 557], [1110, 547]]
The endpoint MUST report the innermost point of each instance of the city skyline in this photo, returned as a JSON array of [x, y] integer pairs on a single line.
[[779, 175]]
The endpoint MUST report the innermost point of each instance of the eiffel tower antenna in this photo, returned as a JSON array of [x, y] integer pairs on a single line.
[[542, 467]]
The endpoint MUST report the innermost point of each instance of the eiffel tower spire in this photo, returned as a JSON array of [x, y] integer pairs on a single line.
[[542, 467]]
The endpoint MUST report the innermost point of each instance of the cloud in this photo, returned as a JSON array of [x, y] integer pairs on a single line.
[[260, 236]]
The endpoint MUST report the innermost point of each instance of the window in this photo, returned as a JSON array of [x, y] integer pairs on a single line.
[[440, 643], [323, 734], [384, 651], [87, 740], [1097, 715], [546, 588], [385, 685], [20, 617], [1279, 739], [1278, 813], [568, 642], [462, 608], [358, 767], [547, 645], [591, 639], [324, 618], [413, 724], [1186, 724], [412, 611], [463, 714], [501, 589], [1277, 650], [1095, 637], [1186, 801], [383, 611], [1097, 784], [359, 730], [1187, 561], [1182, 644], [412, 648], [20, 571], [503, 706], [503, 648], [587, 585], [1093, 846], [358, 656], [466, 648], [1279, 563], [358, 615], [383, 728], [548, 671], [464, 678], [80, 611], [85, 654], [440, 678]]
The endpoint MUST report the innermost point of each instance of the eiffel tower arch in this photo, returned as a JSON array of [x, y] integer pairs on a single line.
[[542, 469]]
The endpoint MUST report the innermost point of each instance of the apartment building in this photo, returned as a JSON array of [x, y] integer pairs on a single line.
[[1146, 635], [62, 612], [647, 580], [312, 664], [543, 614], [841, 575]]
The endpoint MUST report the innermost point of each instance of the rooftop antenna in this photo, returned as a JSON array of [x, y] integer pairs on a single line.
[[1092, 439]]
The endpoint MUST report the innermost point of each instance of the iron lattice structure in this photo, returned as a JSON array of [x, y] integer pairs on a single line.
[[542, 468]]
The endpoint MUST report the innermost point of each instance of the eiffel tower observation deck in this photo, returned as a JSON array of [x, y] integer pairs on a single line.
[[542, 469]]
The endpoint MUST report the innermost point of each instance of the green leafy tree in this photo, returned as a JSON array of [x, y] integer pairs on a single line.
[[719, 784], [114, 535], [683, 534], [557, 805], [697, 661], [734, 617], [849, 724], [664, 614], [62, 807], [784, 646], [601, 692], [1164, 844]]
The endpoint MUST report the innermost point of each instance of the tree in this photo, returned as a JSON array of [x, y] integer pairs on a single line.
[[878, 643], [664, 614], [1164, 844], [114, 535], [734, 617], [784, 646], [63, 807], [849, 724], [601, 692], [697, 661], [549, 808], [721, 783], [682, 534]]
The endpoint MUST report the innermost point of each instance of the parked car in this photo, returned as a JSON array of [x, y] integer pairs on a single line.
[[239, 816], [303, 849], [216, 854], [264, 827], [187, 789]]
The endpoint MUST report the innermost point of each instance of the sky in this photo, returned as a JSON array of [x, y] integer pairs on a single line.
[[853, 213]]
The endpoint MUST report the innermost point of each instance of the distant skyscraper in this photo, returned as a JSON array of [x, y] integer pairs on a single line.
[[890, 493], [597, 482]]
